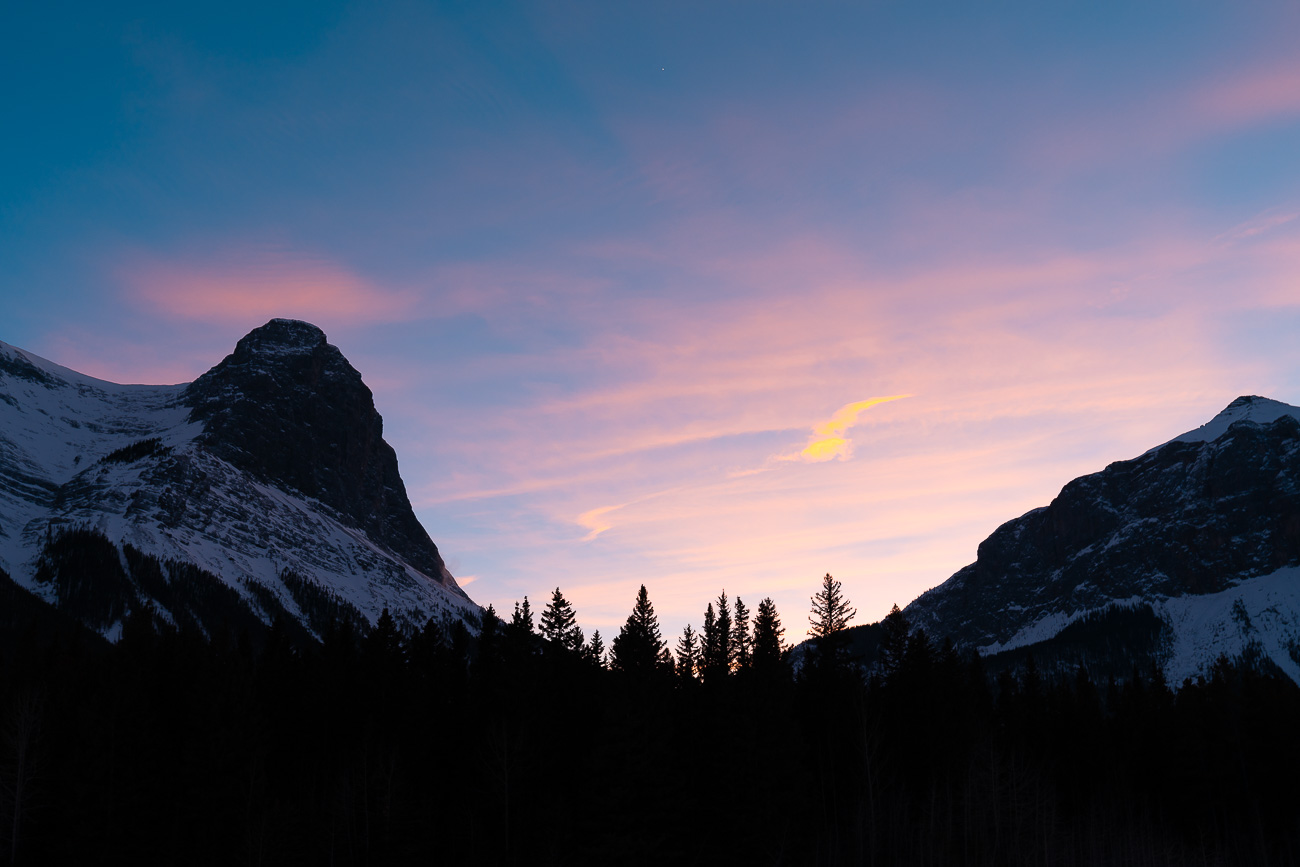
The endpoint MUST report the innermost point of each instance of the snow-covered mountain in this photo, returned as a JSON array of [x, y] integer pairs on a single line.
[[263, 488], [1191, 550]]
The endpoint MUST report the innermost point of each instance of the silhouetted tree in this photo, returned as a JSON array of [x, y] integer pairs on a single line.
[[767, 638], [639, 647], [523, 617], [741, 641], [688, 654], [830, 610], [594, 650], [893, 643], [717, 652], [708, 639], [559, 623], [830, 614]]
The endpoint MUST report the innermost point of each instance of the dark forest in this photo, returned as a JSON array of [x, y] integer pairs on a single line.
[[526, 744]]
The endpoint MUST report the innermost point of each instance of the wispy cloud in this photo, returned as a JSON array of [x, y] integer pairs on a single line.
[[595, 520], [1258, 225], [260, 283]]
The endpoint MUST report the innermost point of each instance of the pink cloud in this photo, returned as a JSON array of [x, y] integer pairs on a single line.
[[1256, 96], [259, 284], [1156, 123]]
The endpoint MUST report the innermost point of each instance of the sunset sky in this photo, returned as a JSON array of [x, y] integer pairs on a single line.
[[705, 296]]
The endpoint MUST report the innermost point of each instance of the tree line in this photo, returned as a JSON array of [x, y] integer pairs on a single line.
[[530, 743]]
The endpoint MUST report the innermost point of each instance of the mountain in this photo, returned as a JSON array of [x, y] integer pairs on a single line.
[[262, 489], [1185, 553]]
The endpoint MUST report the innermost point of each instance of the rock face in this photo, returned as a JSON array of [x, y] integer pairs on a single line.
[[287, 407], [263, 489], [1204, 530]]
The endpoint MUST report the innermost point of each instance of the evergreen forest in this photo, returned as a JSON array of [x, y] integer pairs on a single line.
[[530, 744]]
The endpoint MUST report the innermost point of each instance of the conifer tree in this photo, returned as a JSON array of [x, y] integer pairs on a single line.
[[726, 650], [767, 638], [830, 610], [559, 622], [594, 650], [893, 644], [831, 613], [639, 646], [688, 654], [709, 639], [523, 617], [741, 641]]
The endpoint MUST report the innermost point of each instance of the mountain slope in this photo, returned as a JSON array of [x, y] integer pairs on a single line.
[[1205, 530], [268, 473]]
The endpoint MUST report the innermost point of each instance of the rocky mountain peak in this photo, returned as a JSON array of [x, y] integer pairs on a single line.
[[279, 336], [288, 407]]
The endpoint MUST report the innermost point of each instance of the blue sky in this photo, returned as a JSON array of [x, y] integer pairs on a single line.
[[610, 268]]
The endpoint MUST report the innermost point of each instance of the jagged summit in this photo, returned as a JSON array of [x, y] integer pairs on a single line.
[[269, 474], [280, 335], [288, 407]]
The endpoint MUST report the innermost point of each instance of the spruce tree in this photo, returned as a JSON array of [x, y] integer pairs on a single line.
[[594, 650], [831, 613], [575, 641], [893, 644], [559, 621], [767, 638], [830, 610], [726, 650], [639, 647], [523, 617], [709, 639], [688, 654], [740, 638]]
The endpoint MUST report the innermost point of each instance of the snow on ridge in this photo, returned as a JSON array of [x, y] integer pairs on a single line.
[[56, 426], [1260, 410], [74, 377], [1262, 612]]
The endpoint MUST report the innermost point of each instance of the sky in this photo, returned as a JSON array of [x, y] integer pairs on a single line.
[[710, 296]]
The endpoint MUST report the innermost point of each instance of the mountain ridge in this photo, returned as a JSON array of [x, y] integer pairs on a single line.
[[1205, 528], [272, 463]]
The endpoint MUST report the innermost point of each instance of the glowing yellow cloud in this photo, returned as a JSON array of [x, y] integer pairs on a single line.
[[826, 449], [828, 441]]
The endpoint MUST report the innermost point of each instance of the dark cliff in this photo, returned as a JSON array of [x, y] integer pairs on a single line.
[[287, 407]]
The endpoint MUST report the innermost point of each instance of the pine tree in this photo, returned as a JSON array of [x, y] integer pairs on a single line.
[[830, 610], [575, 641], [741, 641], [831, 613], [709, 639], [639, 647], [893, 644], [767, 638], [594, 651], [523, 617], [559, 621], [726, 651], [688, 654]]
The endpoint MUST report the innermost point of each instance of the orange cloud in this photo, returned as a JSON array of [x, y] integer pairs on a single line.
[[261, 284]]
